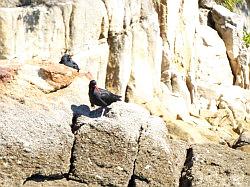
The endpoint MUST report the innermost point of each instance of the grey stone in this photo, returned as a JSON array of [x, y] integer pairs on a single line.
[[105, 148], [18, 3], [32, 142], [159, 161], [126, 147], [216, 165]]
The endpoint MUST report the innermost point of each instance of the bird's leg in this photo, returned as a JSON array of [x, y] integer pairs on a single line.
[[103, 110]]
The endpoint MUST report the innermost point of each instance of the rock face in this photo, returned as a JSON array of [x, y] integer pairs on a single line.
[[36, 138], [155, 145], [106, 149], [182, 60], [7, 74], [215, 56], [126, 147], [116, 150], [214, 165], [230, 26], [32, 145]]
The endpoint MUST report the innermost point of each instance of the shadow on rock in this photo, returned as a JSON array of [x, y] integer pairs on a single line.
[[84, 110]]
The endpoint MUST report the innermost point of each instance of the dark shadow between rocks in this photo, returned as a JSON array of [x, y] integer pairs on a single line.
[[43, 178], [84, 110]]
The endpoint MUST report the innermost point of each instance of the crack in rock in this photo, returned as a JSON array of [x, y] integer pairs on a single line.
[[72, 159], [186, 173], [44, 178], [132, 182]]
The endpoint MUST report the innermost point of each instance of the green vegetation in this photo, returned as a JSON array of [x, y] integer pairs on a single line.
[[246, 39], [229, 4]]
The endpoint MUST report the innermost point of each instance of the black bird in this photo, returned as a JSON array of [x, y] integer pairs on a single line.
[[101, 97], [67, 61]]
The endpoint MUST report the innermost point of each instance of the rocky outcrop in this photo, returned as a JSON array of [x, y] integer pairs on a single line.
[[230, 27], [115, 150], [126, 147], [215, 56], [7, 73], [183, 63], [214, 165], [121, 151], [208, 4], [164, 73], [107, 147], [36, 138], [31, 32], [31, 145]]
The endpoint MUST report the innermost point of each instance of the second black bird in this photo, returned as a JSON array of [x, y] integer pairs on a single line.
[[67, 61]]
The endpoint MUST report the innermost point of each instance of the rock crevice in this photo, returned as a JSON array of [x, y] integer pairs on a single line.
[[186, 176], [134, 177]]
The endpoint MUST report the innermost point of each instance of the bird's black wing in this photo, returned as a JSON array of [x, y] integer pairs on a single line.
[[109, 97], [75, 65], [99, 99]]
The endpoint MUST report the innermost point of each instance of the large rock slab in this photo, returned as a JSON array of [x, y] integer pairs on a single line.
[[126, 147], [105, 148], [159, 162], [212, 62], [216, 165], [33, 142]]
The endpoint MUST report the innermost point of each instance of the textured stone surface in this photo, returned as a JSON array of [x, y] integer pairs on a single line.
[[151, 52], [243, 9], [214, 60], [19, 3], [53, 183], [32, 142], [105, 148], [158, 162], [214, 165], [117, 150], [230, 27]]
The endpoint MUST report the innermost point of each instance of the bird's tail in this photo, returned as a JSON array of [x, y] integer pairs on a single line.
[[118, 97]]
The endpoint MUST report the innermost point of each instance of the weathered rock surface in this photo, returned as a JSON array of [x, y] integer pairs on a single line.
[[155, 53], [36, 143], [230, 27], [214, 60], [159, 161], [215, 165], [48, 182], [117, 150], [36, 137], [105, 148], [7, 73]]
